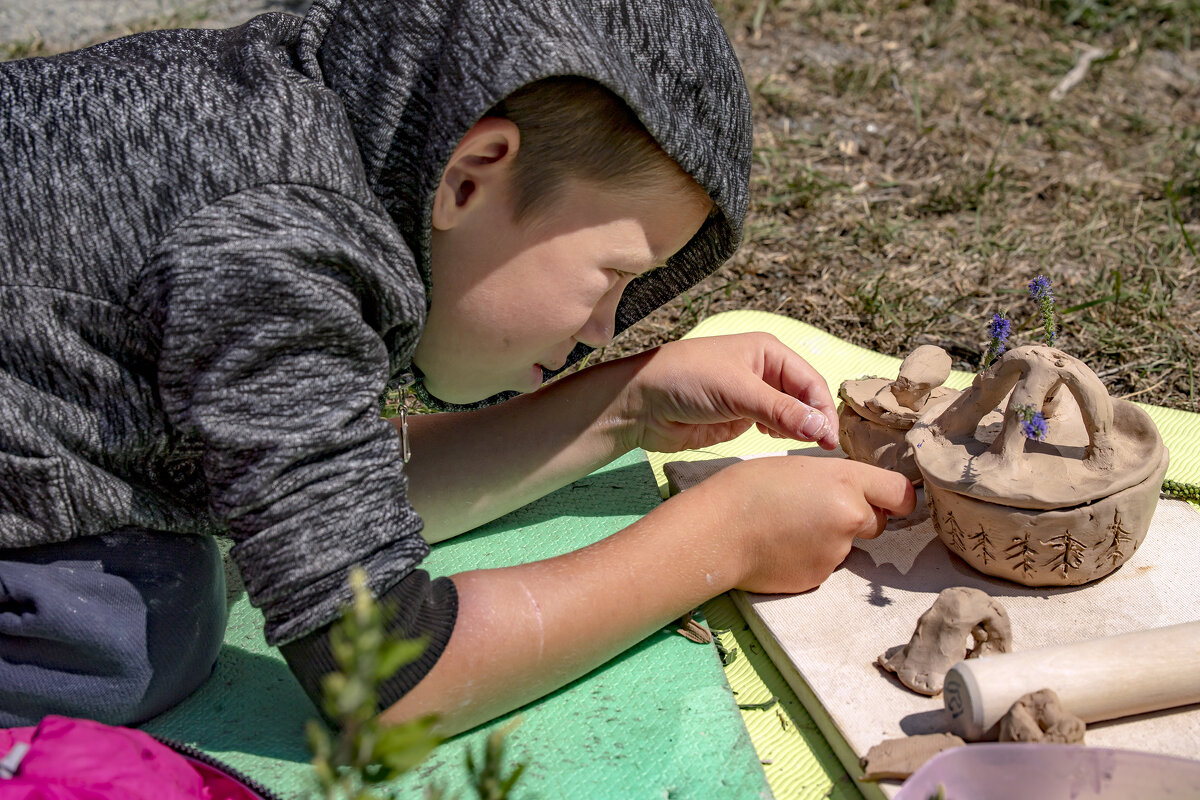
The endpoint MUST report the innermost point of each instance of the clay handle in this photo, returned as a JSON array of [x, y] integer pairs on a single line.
[[1132, 673], [1032, 373]]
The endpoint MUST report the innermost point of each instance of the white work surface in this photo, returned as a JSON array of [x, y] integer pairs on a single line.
[[825, 642]]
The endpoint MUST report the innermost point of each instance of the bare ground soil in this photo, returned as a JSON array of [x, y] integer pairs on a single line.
[[915, 168]]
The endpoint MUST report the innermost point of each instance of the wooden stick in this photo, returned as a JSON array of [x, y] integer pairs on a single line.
[[1132, 673]]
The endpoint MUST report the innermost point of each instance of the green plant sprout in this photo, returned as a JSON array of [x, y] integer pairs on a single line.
[[364, 752], [488, 776], [1043, 295], [1181, 491]]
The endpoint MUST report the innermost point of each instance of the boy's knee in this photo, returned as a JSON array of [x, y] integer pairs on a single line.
[[116, 628]]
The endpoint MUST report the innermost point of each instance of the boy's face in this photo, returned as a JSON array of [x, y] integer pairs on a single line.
[[510, 298]]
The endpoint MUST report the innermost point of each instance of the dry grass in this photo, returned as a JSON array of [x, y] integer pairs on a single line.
[[912, 174]]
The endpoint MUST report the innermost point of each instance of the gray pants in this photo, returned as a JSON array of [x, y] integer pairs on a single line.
[[116, 628]]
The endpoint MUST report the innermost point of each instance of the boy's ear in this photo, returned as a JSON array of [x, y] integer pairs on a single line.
[[476, 170]]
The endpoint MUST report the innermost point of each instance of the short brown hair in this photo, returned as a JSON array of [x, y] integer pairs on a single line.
[[573, 127]]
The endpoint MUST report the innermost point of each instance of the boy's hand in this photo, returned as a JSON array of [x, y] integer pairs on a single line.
[[698, 392], [796, 516]]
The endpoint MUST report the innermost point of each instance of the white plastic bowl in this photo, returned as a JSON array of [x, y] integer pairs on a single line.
[[993, 771]]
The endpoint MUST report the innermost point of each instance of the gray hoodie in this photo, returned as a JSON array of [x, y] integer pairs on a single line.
[[214, 256]]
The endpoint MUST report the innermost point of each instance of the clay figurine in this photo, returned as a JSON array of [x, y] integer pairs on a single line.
[[1040, 717], [897, 759], [876, 413], [939, 641], [1036, 475]]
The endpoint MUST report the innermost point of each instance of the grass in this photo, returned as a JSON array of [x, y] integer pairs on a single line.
[[195, 15], [911, 175], [23, 48]]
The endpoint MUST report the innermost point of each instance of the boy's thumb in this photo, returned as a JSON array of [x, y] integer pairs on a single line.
[[787, 415]]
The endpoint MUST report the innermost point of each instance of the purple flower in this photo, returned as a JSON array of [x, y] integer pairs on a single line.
[[999, 329], [1034, 427], [1039, 289], [1043, 295], [1033, 424]]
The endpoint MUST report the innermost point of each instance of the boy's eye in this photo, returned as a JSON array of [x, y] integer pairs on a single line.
[[624, 275]]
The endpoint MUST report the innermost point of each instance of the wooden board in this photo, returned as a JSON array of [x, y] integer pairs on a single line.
[[826, 641]]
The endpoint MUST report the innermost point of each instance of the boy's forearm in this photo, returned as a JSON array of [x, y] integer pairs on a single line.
[[469, 468], [524, 631]]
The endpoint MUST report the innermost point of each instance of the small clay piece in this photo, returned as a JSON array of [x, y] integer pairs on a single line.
[[1060, 510], [925, 370], [876, 413], [691, 629], [896, 759], [939, 641], [1040, 717]]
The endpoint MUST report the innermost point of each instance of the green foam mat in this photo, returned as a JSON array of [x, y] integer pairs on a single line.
[[802, 764], [657, 721]]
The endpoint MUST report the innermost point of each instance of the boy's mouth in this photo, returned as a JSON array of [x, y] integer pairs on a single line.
[[554, 365]]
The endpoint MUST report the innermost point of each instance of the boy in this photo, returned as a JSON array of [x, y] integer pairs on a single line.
[[219, 246]]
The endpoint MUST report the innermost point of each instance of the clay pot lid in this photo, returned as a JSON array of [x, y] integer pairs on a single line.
[[1095, 446], [898, 403]]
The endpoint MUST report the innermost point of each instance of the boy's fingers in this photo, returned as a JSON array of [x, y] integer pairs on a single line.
[[799, 420], [881, 519], [888, 491], [809, 422], [775, 411], [798, 379]]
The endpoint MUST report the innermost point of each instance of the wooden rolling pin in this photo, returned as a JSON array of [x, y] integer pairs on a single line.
[[1131, 673]]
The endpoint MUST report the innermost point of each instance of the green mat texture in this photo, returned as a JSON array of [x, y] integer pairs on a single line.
[[658, 721]]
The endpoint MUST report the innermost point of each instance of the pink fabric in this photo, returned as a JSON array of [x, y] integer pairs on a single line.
[[78, 759]]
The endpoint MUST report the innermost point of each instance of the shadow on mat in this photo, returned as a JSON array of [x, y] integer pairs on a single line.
[[251, 704], [627, 490]]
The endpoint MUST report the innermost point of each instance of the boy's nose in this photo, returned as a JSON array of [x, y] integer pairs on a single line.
[[599, 329], [596, 333]]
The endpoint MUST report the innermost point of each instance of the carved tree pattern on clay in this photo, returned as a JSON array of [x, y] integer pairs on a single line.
[[984, 544], [1070, 554], [1022, 552], [1120, 536], [957, 537]]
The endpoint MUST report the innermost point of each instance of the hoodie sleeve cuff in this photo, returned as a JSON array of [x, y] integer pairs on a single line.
[[414, 607]]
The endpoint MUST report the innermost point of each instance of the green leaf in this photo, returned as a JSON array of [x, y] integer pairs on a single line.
[[394, 655], [508, 783], [402, 747]]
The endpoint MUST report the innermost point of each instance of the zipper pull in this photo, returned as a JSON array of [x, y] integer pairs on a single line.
[[11, 763], [406, 381]]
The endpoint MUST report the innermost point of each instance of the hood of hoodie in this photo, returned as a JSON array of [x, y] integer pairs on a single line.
[[415, 75]]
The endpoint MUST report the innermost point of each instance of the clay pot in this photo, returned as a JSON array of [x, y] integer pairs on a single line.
[[876, 413], [1058, 512]]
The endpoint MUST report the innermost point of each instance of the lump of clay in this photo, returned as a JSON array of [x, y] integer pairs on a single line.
[[876, 413], [939, 641], [1055, 504], [896, 759], [1040, 717]]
